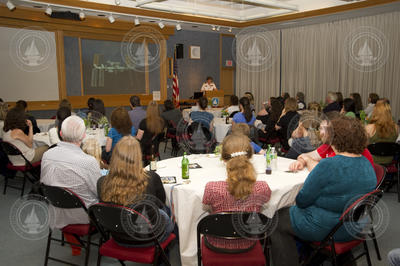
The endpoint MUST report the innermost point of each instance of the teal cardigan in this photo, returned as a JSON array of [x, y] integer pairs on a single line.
[[330, 187]]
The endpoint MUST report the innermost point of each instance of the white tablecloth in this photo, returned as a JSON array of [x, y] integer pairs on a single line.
[[187, 198], [221, 128], [215, 111], [43, 137], [45, 124]]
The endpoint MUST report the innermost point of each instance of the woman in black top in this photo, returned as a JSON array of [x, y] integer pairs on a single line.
[[269, 118], [128, 184], [288, 122]]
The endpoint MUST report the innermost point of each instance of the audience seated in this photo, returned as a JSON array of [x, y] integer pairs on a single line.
[[92, 147], [54, 133], [127, 183], [137, 113], [269, 119], [66, 165], [328, 189], [382, 128], [339, 96], [121, 125], [14, 125], [301, 104], [305, 136], [67, 104], [240, 192], [3, 113], [348, 108], [234, 107], [97, 116], [357, 103], [244, 129], [372, 99], [311, 159], [250, 96], [24, 106], [314, 106], [201, 116], [245, 115], [287, 122], [171, 114], [332, 103], [150, 131]]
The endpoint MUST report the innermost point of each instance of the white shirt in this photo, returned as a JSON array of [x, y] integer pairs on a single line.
[[233, 108], [53, 136], [1, 128], [208, 87], [369, 109], [66, 165]]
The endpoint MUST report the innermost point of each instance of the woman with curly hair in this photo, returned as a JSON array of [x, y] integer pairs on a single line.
[[127, 183], [382, 128], [328, 189], [240, 192]]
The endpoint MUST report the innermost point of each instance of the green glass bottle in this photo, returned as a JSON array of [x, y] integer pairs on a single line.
[[185, 166]]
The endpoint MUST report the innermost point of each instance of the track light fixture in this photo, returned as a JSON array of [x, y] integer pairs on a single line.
[[230, 29], [81, 15], [137, 22], [218, 28], [111, 18], [117, 2], [49, 11], [161, 25], [213, 27], [10, 5], [178, 27]]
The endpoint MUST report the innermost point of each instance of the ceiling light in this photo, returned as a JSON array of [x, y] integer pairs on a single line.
[[218, 28], [117, 2], [230, 29], [49, 11], [10, 5], [82, 15], [178, 26], [137, 22], [213, 27], [111, 18], [161, 25]]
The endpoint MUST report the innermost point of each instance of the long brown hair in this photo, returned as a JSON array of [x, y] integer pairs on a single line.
[[120, 121], [154, 122], [241, 173], [382, 119], [126, 180]]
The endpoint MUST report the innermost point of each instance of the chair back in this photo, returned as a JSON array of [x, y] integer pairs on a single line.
[[62, 197], [10, 150], [384, 148], [139, 224], [380, 173], [354, 212], [233, 114]]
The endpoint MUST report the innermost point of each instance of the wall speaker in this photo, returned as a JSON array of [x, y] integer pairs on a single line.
[[179, 50]]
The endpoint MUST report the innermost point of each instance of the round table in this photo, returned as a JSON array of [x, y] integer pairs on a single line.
[[215, 111], [42, 138], [221, 129], [187, 198], [45, 124]]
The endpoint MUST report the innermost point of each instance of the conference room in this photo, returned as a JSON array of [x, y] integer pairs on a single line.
[[173, 132]]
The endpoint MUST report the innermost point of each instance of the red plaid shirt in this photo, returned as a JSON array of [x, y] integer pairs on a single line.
[[217, 196]]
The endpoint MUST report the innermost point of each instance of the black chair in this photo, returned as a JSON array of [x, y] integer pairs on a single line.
[[354, 213], [233, 114], [66, 199], [170, 134], [30, 171], [390, 149], [229, 226], [113, 220]]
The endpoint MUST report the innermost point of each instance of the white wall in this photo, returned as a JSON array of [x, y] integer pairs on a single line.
[[32, 78]]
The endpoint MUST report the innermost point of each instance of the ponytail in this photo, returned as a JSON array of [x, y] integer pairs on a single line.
[[241, 177], [248, 114]]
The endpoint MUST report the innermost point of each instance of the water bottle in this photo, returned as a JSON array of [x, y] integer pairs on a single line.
[[274, 159], [268, 169], [185, 166]]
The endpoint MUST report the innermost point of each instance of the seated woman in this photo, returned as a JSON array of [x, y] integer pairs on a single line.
[[202, 116], [245, 115], [121, 125], [14, 126], [348, 108], [382, 128], [250, 96], [97, 116], [54, 132], [314, 106], [92, 147], [305, 136], [127, 183], [269, 118], [244, 129], [329, 188], [234, 107], [240, 192], [150, 132], [358, 105], [287, 122], [171, 114]]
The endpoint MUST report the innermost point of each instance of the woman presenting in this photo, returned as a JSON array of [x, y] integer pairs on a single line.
[[209, 85]]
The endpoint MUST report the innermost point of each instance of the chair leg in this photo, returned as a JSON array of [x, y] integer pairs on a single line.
[[367, 253], [62, 239], [23, 185], [87, 249], [46, 259], [98, 251], [166, 143], [5, 185], [378, 253]]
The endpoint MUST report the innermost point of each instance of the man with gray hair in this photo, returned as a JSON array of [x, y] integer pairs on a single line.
[[137, 114], [66, 165], [332, 104]]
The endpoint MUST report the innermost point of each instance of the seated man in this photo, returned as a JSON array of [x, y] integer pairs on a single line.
[[66, 165], [311, 159], [137, 112]]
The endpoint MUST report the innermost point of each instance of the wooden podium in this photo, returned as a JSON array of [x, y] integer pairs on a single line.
[[219, 94]]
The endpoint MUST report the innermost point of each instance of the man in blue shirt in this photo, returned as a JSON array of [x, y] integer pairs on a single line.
[[137, 114]]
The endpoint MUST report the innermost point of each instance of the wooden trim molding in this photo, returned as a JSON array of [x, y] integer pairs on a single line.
[[62, 86], [109, 100], [39, 105], [163, 70]]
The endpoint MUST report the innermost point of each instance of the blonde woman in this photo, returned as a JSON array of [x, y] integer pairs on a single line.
[[127, 182], [240, 192], [382, 128], [92, 147], [151, 131]]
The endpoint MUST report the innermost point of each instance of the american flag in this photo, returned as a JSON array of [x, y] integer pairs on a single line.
[[175, 83]]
